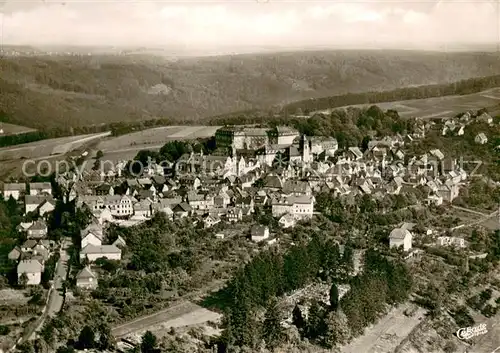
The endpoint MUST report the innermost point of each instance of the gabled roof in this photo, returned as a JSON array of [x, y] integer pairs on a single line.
[[29, 244], [119, 241], [159, 179], [85, 273], [38, 199], [101, 249], [14, 187], [356, 151], [399, 233], [38, 225], [24, 226], [40, 186], [95, 234], [29, 266], [182, 207]]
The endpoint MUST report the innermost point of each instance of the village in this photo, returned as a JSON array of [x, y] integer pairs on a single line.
[[251, 168]]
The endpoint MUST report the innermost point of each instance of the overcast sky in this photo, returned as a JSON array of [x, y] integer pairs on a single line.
[[250, 23]]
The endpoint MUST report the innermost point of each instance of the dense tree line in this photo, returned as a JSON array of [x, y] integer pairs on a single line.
[[308, 106], [462, 87], [116, 129], [26, 137], [168, 155], [272, 274]]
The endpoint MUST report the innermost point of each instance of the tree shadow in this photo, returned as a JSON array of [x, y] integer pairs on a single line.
[[218, 300]]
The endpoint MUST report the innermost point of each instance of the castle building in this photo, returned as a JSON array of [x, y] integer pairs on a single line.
[[253, 138]]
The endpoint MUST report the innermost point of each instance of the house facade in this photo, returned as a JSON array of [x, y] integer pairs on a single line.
[[32, 269], [400, 237], [14, 190]]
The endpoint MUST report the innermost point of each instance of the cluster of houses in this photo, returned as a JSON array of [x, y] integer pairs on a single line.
[[251, 169], [92, 248], [37, 196], [274, 168], [32, 255], [402, 237], [456, 126]]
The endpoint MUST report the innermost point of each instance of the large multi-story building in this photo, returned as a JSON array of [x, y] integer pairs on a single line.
[[230, 136], [252, 138], [300, 207]]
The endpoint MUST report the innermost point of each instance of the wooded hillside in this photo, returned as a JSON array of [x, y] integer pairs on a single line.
[[75, 91]]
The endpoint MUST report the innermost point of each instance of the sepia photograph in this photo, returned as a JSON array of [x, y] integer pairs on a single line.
[[249, 176]]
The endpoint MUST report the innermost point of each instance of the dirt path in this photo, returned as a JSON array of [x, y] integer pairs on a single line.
[[387, 334], [182, 314], [185, 307]]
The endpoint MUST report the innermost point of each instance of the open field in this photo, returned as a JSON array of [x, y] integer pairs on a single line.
[[385, 336], [125, 147], [156, 136], [198, 316], [179, 315], [11, 129], [11, 296], [45, 148], [440, 107], [491, 223]]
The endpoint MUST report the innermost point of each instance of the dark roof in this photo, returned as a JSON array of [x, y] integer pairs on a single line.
[[182, 207]]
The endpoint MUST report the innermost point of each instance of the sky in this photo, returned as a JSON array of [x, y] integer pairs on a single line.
[[251, 23]]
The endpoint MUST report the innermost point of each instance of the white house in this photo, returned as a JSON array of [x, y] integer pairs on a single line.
[[143, 208], [92, 238], [37, 230], [210, 221], [102, 216], [400, 237], [259, 233], [287, 221], [120, 205], [301, 207], [46, 207], [86, 279], [481, 138], [40, 189], [14, 190], [33, 270], [93, 252], [41, 203]]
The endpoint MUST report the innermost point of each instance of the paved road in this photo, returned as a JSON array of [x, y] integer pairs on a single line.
[[471, 211], [56, 297]]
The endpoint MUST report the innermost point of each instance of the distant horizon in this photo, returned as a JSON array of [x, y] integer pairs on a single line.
[[246, 24], [244, 50]]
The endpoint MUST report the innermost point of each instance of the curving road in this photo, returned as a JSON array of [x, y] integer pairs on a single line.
[[55, 296]]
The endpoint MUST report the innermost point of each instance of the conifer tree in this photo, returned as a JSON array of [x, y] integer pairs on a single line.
[[272, 330]]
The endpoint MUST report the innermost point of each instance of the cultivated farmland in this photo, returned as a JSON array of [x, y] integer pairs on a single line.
[[11, 129], [46, 148], [127, 146], [440, 106]]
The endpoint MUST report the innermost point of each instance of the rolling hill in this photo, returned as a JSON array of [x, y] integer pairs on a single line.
[[63, 91]]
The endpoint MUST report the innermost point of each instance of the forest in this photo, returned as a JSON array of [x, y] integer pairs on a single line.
[[61, 91], [257, 288]]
